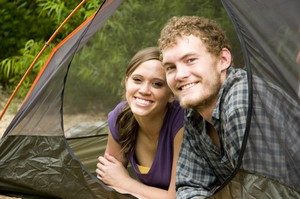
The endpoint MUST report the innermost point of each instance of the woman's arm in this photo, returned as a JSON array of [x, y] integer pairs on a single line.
[[113, 148], [177, 145], [111, 171]]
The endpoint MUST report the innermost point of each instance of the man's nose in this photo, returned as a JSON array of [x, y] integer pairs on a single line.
[[182, 72]]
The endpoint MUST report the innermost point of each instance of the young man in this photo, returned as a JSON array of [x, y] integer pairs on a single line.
[[197, 58]]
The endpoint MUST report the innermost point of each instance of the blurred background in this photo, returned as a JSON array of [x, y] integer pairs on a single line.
[[94, 82]]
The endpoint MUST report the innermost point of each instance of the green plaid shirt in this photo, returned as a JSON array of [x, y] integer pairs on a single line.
[[202, 167]]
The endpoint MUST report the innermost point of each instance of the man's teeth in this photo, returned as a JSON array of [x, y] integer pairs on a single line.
[[142, 101], [187, 86]]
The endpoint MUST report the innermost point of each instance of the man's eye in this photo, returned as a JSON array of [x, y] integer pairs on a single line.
[[191, 60]]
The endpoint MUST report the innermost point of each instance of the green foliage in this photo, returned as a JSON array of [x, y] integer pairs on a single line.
[[56, 9], [19, 24], [26, 25], [13, 68]]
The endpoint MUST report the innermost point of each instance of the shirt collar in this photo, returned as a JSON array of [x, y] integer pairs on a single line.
[[216, 111]]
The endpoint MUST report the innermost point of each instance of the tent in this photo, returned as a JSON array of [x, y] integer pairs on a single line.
[[44, 153], [46, 166]]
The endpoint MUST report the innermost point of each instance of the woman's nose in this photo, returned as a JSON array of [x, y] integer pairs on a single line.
[[145, 88]]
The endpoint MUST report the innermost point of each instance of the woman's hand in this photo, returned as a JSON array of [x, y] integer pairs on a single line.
[[112, 172]]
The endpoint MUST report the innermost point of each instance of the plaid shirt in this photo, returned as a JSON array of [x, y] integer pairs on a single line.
[[202, 167]]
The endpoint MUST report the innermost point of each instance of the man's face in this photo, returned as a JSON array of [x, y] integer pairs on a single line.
[[192, 73]]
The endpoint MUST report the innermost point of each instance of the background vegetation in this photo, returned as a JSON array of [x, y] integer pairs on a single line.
[[28, 24]]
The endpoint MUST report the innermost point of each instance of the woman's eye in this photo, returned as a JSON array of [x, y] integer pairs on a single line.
[[169, 68], [136, 80], [157, 84]]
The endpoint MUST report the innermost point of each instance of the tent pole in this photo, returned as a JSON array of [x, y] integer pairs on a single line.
[[37, 57]]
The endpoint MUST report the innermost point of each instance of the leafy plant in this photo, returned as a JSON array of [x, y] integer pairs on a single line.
[[24, 20], [13, 68]]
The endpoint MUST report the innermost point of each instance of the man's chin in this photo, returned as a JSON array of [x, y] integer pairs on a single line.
[[186, 102]]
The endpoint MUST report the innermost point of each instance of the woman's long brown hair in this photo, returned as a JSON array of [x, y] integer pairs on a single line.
[[127, 124]]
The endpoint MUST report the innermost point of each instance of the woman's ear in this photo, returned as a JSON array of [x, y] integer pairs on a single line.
[[225, 59]]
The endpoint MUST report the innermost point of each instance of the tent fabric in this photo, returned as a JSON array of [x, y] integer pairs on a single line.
[[269, 32], [44, 173], [47, 165], [36, 158], [38, 114], [249, 185], [269, 36], [88, 148]]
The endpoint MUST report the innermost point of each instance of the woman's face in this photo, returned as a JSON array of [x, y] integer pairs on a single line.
[[147, 92]]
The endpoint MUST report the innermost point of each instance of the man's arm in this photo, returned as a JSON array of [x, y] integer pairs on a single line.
[[194, 177]]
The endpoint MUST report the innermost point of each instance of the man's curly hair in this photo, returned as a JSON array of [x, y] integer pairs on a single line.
[[210, 33]]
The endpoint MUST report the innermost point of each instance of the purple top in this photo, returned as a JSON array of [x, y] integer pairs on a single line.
[[159, 174]]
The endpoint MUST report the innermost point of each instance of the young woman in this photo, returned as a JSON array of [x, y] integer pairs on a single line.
[[145, 130]]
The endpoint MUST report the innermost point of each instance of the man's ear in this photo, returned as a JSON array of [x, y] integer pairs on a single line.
[[225, 59]]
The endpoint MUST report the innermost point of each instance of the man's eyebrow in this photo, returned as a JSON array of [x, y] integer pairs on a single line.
[[181, 58], [187, 55]]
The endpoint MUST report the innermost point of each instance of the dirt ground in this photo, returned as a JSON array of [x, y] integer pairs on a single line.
[[69, 120], [5, 121], [9, 114]]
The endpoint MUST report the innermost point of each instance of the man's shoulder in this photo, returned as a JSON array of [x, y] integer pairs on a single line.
[[236, 76], [234, 92], [235, 85]]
